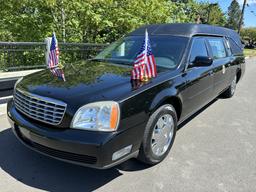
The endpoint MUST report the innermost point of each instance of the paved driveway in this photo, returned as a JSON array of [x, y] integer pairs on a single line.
[[215, 151]]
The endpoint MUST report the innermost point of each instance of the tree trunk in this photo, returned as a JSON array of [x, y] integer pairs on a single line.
[[63, 17]]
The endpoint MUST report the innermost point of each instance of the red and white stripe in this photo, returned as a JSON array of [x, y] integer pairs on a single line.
[[53, 61], [144, 64]]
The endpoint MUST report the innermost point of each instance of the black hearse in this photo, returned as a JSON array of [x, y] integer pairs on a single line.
[[99, 117]]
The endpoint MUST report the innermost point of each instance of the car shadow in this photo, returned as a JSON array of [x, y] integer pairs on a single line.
[[45, 173], [41, 172], [196, 114]]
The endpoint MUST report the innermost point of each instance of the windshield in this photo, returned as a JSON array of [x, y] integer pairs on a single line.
[[167, 50]]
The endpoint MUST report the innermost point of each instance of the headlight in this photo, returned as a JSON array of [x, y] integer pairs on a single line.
[[98, 116], [17, 82]]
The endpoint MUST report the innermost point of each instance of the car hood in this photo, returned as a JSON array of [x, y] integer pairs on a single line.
[[86, 82], [85, 79]]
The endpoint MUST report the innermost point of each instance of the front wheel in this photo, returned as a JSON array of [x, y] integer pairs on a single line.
[[231, 89], [159, 135]]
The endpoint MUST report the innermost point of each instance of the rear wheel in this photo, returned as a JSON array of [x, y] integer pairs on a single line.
[[159, 135], [231, 89]]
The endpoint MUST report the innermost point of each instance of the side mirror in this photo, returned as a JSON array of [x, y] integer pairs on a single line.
[[202, 61]]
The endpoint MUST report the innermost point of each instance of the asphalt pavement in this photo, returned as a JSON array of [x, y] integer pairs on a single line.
[[214, 151]]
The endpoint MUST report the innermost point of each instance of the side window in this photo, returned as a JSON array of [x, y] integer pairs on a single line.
[[198, 49], [234, 47], [218, 48]]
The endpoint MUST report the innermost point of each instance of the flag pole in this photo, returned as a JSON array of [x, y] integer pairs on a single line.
[[47, 49], [145, 77]]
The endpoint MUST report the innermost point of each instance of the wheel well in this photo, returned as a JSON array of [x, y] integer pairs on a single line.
[[176, 103], [238, 75]]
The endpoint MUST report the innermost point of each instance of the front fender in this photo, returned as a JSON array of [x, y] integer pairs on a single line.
[[162, 97]]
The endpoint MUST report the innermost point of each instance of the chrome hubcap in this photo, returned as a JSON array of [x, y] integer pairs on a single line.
[[233, 86], [162, 134]]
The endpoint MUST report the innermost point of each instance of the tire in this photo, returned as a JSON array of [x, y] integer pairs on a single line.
[[231, 89], [156, 135]]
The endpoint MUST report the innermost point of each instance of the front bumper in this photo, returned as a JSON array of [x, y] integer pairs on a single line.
[[88, 148]]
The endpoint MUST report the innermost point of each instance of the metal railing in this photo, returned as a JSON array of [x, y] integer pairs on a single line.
[[16, 56]]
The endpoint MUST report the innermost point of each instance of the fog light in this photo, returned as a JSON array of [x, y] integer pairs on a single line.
[[121, 152]]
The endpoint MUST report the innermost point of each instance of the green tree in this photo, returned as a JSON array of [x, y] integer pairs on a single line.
[[234, 15], [90, 21], [24, 20], [249, 35], [216, 16], [211, 14], [202, 12]]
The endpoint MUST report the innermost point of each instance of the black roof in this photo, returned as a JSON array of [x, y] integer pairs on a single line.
[[188, 30]]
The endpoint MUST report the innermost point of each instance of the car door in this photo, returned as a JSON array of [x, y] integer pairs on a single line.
[[232, 49], [221, 63], [199, 86]]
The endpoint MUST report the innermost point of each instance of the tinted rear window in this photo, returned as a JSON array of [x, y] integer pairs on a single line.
[[234, 47]]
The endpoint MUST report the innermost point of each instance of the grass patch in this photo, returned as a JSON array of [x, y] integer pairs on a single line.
[[250, 52]]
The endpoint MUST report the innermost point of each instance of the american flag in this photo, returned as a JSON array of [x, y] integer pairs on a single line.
[[144, 66], [53, 60]]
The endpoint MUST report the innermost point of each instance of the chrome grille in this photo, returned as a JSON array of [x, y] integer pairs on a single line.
[[40, 108]]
